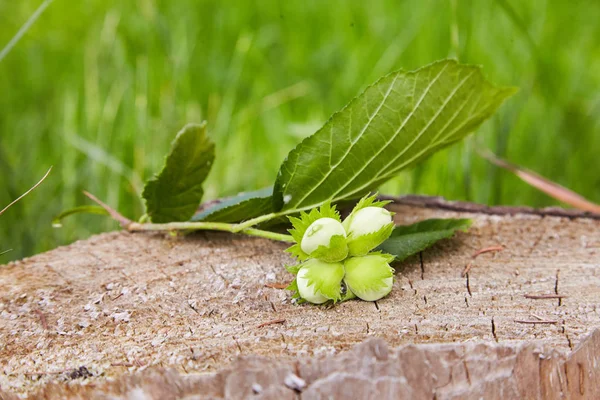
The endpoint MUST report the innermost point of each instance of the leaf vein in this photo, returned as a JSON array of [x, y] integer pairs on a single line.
[[395, 135], [371, 117]]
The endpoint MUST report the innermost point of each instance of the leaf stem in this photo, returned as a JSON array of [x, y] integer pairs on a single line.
[[254, 221], [282, 237], [214, 226]]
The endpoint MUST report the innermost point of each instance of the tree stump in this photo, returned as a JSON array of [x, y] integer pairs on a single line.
[[139, 316]]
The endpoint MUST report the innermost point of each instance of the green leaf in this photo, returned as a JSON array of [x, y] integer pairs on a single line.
[[5, 251], [57, 221], [398, 121], [325, 278], [175, 193], [297, 252], [336, 251], [238, 208], [293, 287], [368, 273], [359, 246], [293, 269], [407, 240]]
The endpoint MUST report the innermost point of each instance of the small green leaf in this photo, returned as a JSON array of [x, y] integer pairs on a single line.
[[407, 240], [57, 221], [293, 287], [369, 277], [293, 269], [361, 245], [336, 251], [175, 193], [5, 251], [243, 206], [325, 278], [297, 252], [395, 123]]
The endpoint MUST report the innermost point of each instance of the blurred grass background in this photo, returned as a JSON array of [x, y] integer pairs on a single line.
[[99, 88]]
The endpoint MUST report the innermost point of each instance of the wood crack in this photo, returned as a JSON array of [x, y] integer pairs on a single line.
[[494, 330]]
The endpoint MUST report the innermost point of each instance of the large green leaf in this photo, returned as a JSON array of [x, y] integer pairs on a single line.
[[175, 193], [401, 119], [407, 240], [238, 208]]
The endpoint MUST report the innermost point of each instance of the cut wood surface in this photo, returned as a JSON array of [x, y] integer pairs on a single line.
[[116, 303]]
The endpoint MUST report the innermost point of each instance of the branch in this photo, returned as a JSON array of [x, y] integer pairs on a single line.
[[213, 226], [123, 221], [545, 185]]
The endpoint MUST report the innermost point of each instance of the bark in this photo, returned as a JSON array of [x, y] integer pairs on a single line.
[[146, 315]]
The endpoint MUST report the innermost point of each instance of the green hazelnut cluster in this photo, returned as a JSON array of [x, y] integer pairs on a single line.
[[337, 258]]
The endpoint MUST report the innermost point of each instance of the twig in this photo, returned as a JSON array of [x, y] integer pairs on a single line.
[[121, 364], [117, 296], [545, 296], [487, 250], [545, 185], [123, 221], [27, 192], [541, 322], [213, 226], [467, 269], [42, 319], [461, 206], [275, 321], [478, 253], [277, 285]]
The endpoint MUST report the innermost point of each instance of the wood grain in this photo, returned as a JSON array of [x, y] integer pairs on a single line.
[[118, 303]]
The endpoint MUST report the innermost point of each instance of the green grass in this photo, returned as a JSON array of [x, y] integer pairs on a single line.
[[98, 89]]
